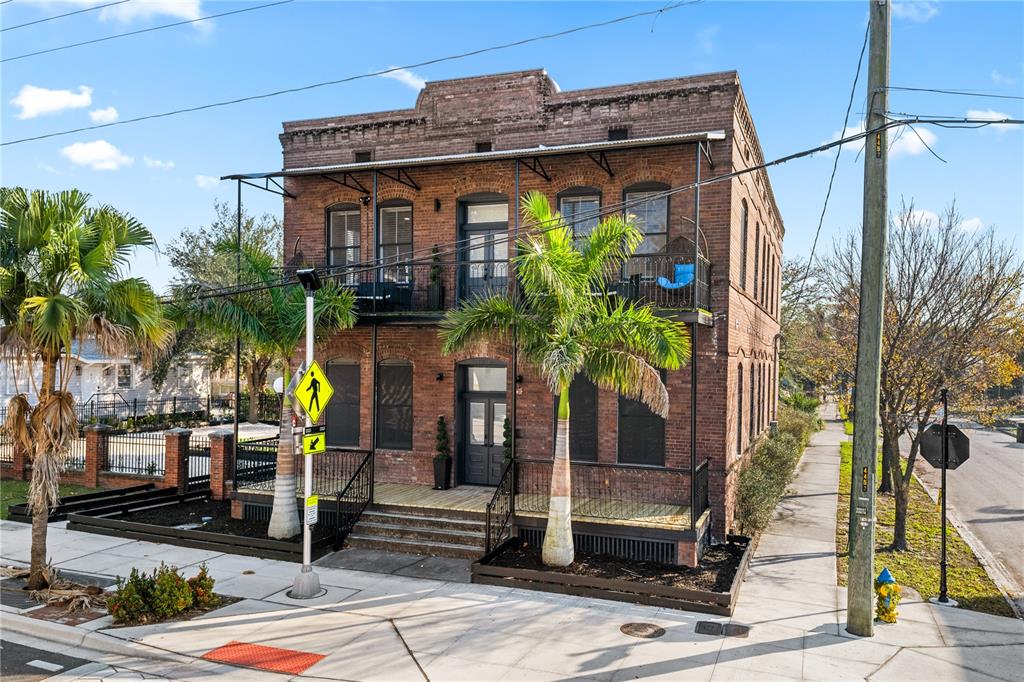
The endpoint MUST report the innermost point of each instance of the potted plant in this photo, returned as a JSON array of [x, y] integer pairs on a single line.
[[435, 292], [443, 458]]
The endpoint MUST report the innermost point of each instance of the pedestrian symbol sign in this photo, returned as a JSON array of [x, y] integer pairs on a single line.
[[314, 391], [314, 440]]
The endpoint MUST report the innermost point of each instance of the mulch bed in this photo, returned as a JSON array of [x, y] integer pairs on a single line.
[[714, 574], [193, 513]]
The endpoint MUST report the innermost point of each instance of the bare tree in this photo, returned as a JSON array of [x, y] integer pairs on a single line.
[[953, 318]]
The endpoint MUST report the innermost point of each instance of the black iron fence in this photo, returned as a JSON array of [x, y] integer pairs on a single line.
[[198, 462], [268, 408], [700, 487], [134, 413], [256, 464], [141, 454], [256, 467], [624, 492], [353, 498], [500, 509], [6, 450]]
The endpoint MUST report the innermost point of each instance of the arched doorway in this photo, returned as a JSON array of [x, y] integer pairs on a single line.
[[481, 410]]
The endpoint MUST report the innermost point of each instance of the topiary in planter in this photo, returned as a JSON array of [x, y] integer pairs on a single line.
[[443, 458]]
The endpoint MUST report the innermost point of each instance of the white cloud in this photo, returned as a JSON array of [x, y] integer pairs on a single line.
[[98, 155], [924, 218], [706, 39], [918, 11], [206, 181], [157, 163], [35, 101], [1000, 78], [405, 77], [972, 224], [147, 9], [910, 143], [108, 115], [992, 115]]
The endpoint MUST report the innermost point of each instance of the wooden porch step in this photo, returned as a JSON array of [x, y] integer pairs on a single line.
[[439, 521], [420, 533], [447, 549], [428, 512]]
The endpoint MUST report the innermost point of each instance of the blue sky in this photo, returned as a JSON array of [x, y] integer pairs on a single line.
[[795, 59]]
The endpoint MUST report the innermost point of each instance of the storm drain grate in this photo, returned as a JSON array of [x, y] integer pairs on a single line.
[[708, 627], [642, 630]]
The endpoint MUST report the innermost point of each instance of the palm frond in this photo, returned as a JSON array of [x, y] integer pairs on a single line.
[[630, 375], [608, 246], [480, 318]]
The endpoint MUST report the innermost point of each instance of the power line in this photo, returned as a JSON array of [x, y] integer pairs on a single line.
[[61, 16], [835, 163], [144, 30], [964, 93], [372, 74]]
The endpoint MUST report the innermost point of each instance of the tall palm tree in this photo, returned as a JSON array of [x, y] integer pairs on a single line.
[[62, 281], [270, 320], [565, 324]]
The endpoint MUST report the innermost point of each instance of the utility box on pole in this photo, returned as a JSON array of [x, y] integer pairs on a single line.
[[874, 247]]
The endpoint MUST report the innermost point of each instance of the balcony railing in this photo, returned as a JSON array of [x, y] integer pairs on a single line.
[[666, 280]]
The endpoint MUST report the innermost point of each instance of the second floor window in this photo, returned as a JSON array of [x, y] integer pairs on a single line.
[[580, 213], [395, 242], [124, 376], [650, 217], [343, 239]]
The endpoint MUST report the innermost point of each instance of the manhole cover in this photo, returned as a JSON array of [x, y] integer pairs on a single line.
[[708, 627], [642, 630]]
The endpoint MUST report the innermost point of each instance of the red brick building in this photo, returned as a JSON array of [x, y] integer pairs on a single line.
[[429, 196]]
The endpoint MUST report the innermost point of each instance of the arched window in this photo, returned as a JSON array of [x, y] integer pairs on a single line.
[[343, 237], [641, 433], [650, 214], [343, 410], [744, 238], [394, 405], [757, 257], [583, 423], [739, 410], [752, 394], [394, 240], [579, 207]]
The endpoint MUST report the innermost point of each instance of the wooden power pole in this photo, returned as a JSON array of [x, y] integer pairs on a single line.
[[874, 246]]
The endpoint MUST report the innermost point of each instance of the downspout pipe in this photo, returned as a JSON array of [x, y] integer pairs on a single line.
[[693, 349]]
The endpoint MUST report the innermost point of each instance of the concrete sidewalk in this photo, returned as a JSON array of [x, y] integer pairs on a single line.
[[388, 627]]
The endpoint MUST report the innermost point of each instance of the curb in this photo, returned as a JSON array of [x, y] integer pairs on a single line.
[[85, 639]]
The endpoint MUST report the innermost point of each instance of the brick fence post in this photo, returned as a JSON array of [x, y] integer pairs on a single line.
[[222, 467], [97, 441], [176, 446], [19, 463]]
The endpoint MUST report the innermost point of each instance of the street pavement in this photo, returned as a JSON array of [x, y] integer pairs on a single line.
[[21, 663], [986, 494], [372, 626]]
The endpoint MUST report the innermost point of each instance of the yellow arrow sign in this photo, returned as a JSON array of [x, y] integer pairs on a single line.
[[314, 443], [314, 391]]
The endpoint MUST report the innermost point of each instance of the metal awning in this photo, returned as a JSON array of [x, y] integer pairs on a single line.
[[525, 153]]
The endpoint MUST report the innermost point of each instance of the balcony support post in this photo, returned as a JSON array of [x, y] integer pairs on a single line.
[[515, 340], [693, 349]]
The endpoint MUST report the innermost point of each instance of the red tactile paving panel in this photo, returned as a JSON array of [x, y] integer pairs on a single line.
[[262, 657]]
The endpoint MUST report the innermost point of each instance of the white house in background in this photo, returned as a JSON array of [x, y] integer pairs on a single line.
[[101, 378]]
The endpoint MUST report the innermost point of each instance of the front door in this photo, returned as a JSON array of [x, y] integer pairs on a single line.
[[484, 423], [485, 261]]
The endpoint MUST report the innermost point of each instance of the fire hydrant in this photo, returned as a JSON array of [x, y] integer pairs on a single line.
[[887, 596]]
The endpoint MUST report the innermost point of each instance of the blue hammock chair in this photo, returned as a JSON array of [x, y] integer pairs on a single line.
[[683, 277]]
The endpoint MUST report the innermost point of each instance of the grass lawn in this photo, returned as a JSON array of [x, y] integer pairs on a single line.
[[848, 427], [918, 567], [15, 492]]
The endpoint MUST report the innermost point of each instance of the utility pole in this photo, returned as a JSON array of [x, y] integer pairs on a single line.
[[874, 246]]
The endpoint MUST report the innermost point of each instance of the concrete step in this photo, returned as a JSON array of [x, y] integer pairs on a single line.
[[438, 522], [429, 512], [456, 550], [424, 534]]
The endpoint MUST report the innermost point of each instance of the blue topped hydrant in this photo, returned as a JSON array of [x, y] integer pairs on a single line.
[[887, 596]]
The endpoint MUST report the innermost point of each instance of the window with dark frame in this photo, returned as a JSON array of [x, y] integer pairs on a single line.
[[484, 147], [744, 237], [757, 257], [615, 134], [394, 405], [650, 216], [582, 419], [343, 411], [752, 393], [363, 156], [343, 239], [124, 376], [395, 242], [739, 411], [580, 212], [641, 433]]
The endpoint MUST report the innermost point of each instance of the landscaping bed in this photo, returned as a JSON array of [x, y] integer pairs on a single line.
[[182, 524], [15, 492], [711, 587]]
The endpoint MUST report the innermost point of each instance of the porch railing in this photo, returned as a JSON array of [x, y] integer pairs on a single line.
[[256, 464], [609, 491], [352, 500], [498, 525]]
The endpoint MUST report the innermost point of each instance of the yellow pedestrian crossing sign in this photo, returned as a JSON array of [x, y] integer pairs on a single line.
[[314, 391], [314, 440]]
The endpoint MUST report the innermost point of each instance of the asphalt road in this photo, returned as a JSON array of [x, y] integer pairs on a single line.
[[986, 493], [19, 663]]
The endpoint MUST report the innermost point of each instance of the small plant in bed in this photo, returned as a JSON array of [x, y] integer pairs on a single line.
[[161, 595]]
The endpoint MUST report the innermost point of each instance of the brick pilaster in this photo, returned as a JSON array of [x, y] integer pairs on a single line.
[[176, 459], [96, 444], [222, 469], [19, 463]]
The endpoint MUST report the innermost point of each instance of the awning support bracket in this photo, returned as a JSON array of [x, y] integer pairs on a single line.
[[602, 162], [347, 180], [401, 177], [280, 190], [536, 166]]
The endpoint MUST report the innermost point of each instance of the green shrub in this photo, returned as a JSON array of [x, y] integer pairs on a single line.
[[797, 424], [171, 593], [802, 402], [201, 585], [130, 603], [763, 482]]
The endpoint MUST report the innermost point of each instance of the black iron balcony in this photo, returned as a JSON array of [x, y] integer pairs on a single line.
[[669, 281]]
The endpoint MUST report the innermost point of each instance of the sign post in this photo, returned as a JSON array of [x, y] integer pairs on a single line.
[[307, 582], [944, 447]]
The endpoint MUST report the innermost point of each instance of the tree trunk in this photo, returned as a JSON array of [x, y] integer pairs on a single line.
[[284, 519], [41, 472], [254, 397], [558, 548], [890, 454], [899, 529]]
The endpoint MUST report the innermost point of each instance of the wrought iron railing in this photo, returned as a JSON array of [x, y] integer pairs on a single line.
[[352, 499], [652, 278], [140, 454], [500, 509], [701, 500], [620, 492], [6, 450], [256, 464], [198, 462]]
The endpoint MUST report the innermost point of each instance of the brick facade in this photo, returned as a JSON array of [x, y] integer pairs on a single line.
[[525, 109]]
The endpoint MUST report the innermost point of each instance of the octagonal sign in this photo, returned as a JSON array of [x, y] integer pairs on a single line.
[[931, 446]]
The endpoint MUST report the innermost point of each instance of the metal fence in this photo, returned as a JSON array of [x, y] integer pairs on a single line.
[[141, 454], [256, 464], [256, 467], [198, 462], [6, 450]]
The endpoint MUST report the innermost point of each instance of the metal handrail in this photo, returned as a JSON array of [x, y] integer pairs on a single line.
[[346, 521], [504, 491]]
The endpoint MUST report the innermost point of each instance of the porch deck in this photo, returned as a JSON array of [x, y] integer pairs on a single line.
[[471, 498]]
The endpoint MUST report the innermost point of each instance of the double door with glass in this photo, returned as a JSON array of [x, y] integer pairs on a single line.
[[484, 267]]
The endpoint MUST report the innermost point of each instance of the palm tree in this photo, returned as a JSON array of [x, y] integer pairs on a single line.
[[271, 320], [62, 282], [565, 323]]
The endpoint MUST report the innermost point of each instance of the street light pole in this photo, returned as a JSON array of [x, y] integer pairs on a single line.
[[874, 247]]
